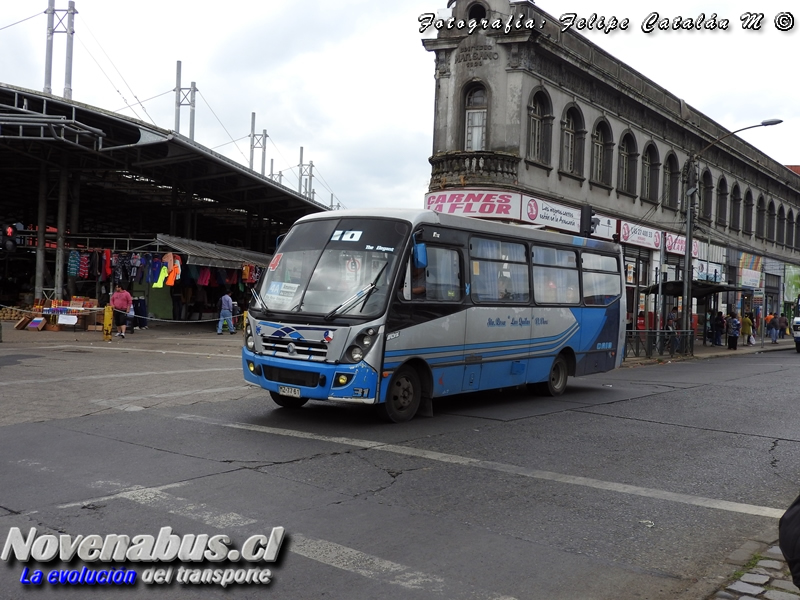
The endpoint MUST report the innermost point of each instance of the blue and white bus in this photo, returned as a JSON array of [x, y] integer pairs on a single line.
[[403, 306]]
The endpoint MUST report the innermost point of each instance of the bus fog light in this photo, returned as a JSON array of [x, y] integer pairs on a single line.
[[341, 379]]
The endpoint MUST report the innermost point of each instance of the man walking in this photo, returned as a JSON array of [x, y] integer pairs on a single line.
[[226, 313], [121, 302]]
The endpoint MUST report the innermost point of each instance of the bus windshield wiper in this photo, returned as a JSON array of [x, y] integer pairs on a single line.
[[364, 292], [259, 300], [351, 301]]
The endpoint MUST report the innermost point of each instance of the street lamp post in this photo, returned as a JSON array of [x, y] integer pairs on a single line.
[[692, 193]]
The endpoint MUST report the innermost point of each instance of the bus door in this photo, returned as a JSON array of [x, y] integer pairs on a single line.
[[498, 329], [428, 319]]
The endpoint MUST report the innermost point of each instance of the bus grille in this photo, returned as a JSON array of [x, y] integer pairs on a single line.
[[303, 349], [292, 377]]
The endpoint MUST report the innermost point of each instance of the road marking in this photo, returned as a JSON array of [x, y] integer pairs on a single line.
[[155, 497], [124, 402], [126, 375], [738, 507], [322, 551], [372, 567]]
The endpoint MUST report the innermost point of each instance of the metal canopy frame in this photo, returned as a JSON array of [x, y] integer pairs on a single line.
[[133, 177]]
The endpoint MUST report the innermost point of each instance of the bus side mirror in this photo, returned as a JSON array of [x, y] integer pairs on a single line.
[[420, 256], [278, 240]]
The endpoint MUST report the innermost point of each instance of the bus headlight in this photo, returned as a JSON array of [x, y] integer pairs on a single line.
[[355, 354], [248, 338]]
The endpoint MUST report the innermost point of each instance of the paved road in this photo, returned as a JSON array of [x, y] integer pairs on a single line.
[[635, 484]]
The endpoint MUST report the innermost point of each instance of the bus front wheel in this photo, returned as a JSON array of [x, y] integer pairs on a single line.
[[557, 382], [288, 401], [403, 396]]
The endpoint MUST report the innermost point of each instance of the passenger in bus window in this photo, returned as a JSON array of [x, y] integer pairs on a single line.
[[504, 288], [418, 282]]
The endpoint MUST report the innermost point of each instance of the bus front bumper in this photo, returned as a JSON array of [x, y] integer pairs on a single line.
[[356, 383]]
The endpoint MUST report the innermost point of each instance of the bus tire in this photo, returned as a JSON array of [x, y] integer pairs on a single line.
[[797, 346], [557, 381], [288, 401], [402, 397]]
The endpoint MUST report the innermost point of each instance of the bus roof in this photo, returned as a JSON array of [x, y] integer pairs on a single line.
[[423, 216]]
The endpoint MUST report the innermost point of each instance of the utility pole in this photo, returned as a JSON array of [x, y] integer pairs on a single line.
[[52, 29], [691, 193], [184, 97]]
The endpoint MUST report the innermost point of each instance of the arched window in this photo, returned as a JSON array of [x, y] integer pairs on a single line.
[[780, 232], [572, 136], [790, 229], [602, 148], [626, 178], [761, 214], [722, 202], [650, 167], [771, 217], [747, 217], [672, 180], [477, 12], [797, 233], [540, 126], [475, 119], [706, 195], [736, 208]]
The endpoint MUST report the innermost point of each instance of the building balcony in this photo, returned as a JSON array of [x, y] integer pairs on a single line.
[[473, 168]]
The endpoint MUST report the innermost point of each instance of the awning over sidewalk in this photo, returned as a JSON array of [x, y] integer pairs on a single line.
[[204, 254], [700, 288]]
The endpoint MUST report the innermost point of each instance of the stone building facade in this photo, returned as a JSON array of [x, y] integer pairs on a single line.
[[554, 122]]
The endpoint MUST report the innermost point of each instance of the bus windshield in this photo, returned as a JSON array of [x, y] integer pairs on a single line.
[[334, 267]]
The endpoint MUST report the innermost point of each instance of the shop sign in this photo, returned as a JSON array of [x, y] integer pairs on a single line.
[[638, 235], [749, 278], [707, 271], [606, 228], [485, 204], [550, 214], [758, 297], [676, 244]]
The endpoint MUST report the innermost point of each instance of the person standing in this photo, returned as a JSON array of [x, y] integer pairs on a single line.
[[719, 328], [747, 329], [783, 325], [733, 329], [121, 302], [226, 313], [773, 326]]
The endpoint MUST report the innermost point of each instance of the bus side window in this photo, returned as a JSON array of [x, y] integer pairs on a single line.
[[440, 280]]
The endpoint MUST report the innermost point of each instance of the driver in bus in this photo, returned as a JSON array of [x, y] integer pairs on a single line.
[[418, 282]]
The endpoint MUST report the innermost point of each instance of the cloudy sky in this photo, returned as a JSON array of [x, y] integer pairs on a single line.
[[351, 83]]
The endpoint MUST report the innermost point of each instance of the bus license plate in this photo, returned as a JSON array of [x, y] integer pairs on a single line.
[[292, 392]]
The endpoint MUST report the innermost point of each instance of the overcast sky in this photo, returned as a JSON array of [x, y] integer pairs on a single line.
[[351, 83]]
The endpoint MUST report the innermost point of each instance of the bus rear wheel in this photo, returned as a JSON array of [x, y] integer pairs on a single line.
[[557, 382], [288, 401], [403, 396]]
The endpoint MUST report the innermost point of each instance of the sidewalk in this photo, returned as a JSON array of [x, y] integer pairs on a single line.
[[158, 335], [709, 351]]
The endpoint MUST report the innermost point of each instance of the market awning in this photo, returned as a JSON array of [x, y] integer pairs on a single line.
[[700, 288], [204, 254]]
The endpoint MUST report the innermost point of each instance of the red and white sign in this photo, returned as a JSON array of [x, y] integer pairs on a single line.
[[639, 235], [676, 244], [487, 204], [550, 214]]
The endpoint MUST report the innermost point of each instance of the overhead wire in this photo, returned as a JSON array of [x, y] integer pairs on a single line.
[[223, 127], [22, 21], [86, 24]]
